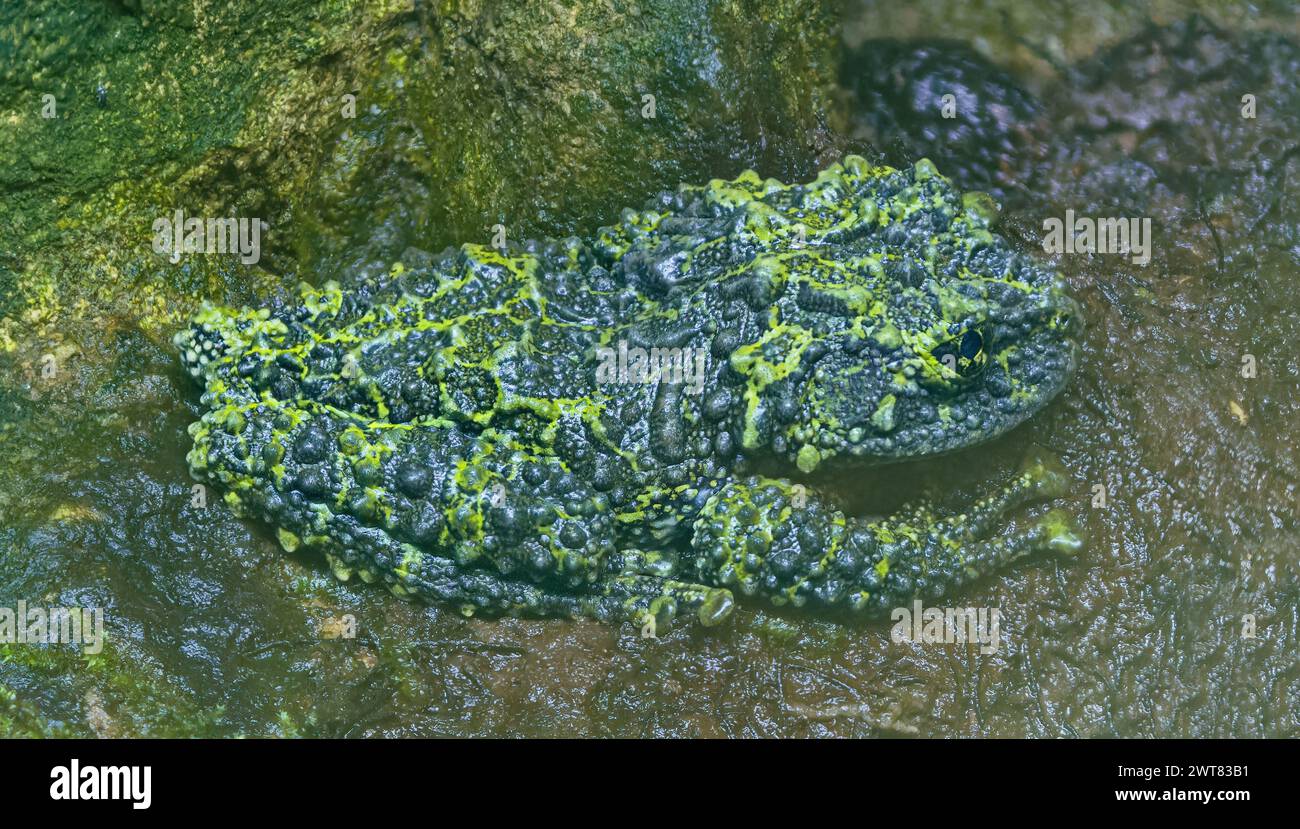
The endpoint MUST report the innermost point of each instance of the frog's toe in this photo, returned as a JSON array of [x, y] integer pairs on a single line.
[[1056, 532], [716, 607]]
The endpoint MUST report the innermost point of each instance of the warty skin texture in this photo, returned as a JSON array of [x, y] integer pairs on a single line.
[[447, 431]]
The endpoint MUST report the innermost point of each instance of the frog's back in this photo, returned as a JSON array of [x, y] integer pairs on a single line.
[[461, 340]]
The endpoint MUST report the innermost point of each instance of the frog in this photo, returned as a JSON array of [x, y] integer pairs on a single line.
[[629, 427]]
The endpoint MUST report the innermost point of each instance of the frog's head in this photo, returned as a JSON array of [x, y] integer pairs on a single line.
[[910, 330]]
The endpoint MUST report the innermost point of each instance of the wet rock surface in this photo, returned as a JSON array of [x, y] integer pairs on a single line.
[[939, 99]]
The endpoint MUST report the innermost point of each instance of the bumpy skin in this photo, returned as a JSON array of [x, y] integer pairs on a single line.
[[451, 432]]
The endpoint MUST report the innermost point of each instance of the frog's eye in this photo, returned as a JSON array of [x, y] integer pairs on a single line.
[[963, 357]]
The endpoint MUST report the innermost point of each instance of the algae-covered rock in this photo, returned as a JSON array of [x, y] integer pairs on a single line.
[[460, 116], [19, 718], [548, 119]]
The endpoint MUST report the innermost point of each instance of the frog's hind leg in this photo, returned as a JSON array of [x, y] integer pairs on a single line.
[[475, 521], [646, 600]]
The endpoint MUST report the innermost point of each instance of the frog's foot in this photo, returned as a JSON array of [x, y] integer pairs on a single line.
[[931, 560], [939, 554], [1041, 476], [1043, 472], [641, 581], [1055, 532]]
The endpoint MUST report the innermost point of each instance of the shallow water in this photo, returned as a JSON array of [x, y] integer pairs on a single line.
[[214, 630]]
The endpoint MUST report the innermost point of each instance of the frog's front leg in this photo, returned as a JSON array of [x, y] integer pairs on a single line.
[[770, 537]]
